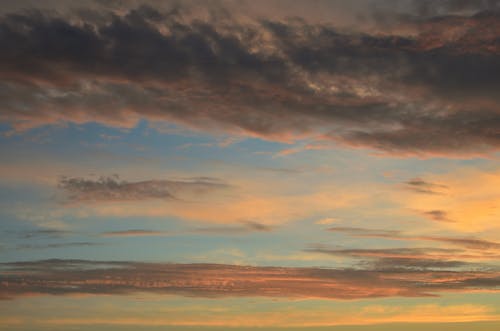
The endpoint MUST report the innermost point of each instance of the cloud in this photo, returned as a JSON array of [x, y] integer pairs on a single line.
[[419, 185], [459, 207], [60, 277], [49, 233], [437, 215], [467, 242], [58, 245], [411, 258], [366, 232], [429, 93], [244, 228], [135, 233], [113, 189]]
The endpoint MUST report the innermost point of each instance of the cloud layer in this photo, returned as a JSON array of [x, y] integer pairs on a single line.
[[432, 91], [60, 277]]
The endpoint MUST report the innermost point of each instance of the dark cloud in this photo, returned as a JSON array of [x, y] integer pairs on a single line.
[[419, 185], [113, 189], [64, 277], [437, 215], [432, 93], [447, 7]]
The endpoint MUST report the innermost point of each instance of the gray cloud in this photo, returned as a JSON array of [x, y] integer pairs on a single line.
[[469, 243], [424, 94], [414, 258], [62, 277], [437, 215], [58, 245], [135, 233], [419, 185], [113, 189]]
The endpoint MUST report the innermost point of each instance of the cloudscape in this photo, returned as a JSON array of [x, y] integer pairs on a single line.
[[232, 165]]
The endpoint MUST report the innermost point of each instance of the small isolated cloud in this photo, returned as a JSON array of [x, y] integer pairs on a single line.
[[419, 185], [114, 189], [437, 215]]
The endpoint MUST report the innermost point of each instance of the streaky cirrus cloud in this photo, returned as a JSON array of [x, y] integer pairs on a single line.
[[135, 233], [465, 242], [111, 188], [426, 93], [412, 258], [62, 277], [244, 227]]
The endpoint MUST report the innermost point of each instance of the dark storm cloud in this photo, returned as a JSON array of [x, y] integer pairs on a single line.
[[433, 93], [64, 277], [114, 189]]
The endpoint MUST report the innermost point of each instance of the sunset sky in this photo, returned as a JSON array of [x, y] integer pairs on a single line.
[[228, 165]]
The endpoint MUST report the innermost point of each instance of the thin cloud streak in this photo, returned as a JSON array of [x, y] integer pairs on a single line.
[[467, 242]]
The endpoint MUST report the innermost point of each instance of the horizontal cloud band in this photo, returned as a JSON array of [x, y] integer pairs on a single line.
[[63, 277]]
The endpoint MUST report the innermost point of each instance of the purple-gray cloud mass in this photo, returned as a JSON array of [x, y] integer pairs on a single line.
[[430, 92]]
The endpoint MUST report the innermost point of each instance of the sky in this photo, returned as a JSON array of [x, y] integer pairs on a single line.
[[240, 165]]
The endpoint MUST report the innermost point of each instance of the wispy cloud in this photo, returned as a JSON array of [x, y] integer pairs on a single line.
[[244, 228], [437, 215], [136, 233], [58, 245], [113, 189], [419, 185], [465, 242]]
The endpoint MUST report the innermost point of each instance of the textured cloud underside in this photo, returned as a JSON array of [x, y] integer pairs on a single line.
[[433, 91]]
